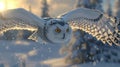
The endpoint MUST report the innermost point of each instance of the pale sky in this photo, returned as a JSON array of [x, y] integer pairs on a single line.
[[56, 6]]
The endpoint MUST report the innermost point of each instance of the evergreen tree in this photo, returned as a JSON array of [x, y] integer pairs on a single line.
[[91, 4], [30, 8], [83, 3], [117, 8], [109, 8], [96, 4], [45, 9], [2, 65]]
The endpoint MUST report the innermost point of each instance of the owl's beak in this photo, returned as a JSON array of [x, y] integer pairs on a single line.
[[63, 36]]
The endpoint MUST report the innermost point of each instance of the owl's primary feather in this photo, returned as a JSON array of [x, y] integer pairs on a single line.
[[94, 22]]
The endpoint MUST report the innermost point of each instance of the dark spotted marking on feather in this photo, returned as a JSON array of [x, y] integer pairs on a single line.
[[119, 23], [115, 19], [97, 19], [109, 41], [116, 40]]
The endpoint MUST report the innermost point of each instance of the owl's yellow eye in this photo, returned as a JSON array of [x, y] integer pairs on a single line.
[[58, 30]]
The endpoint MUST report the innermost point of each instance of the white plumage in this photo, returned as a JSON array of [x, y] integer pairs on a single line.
[[58, 30]]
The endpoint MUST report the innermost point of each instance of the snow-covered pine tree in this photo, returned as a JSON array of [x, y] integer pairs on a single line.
[[96, 4], [109, 8], [83, 3], [117, 8], [79, 3], [45, 9], [30, 8], [92, 4], [2, 65]]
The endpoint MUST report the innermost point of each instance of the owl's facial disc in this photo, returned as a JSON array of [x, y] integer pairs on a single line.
[[58, 32]]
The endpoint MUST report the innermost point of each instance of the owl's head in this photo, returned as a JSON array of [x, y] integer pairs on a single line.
[[58, 31]]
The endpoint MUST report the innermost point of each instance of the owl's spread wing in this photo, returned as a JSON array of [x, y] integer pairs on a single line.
[[93, 22], [19, 19], [24, 15]]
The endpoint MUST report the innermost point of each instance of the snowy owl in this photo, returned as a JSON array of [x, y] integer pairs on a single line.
[[59, 30]]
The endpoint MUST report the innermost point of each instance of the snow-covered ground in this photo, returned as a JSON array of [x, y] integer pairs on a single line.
[[60, 62], [32, 54], [99, 65]]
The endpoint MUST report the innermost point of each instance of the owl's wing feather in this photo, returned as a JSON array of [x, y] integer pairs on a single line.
[[19, 19], [24, 15], [12, 24], [93, 22]]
